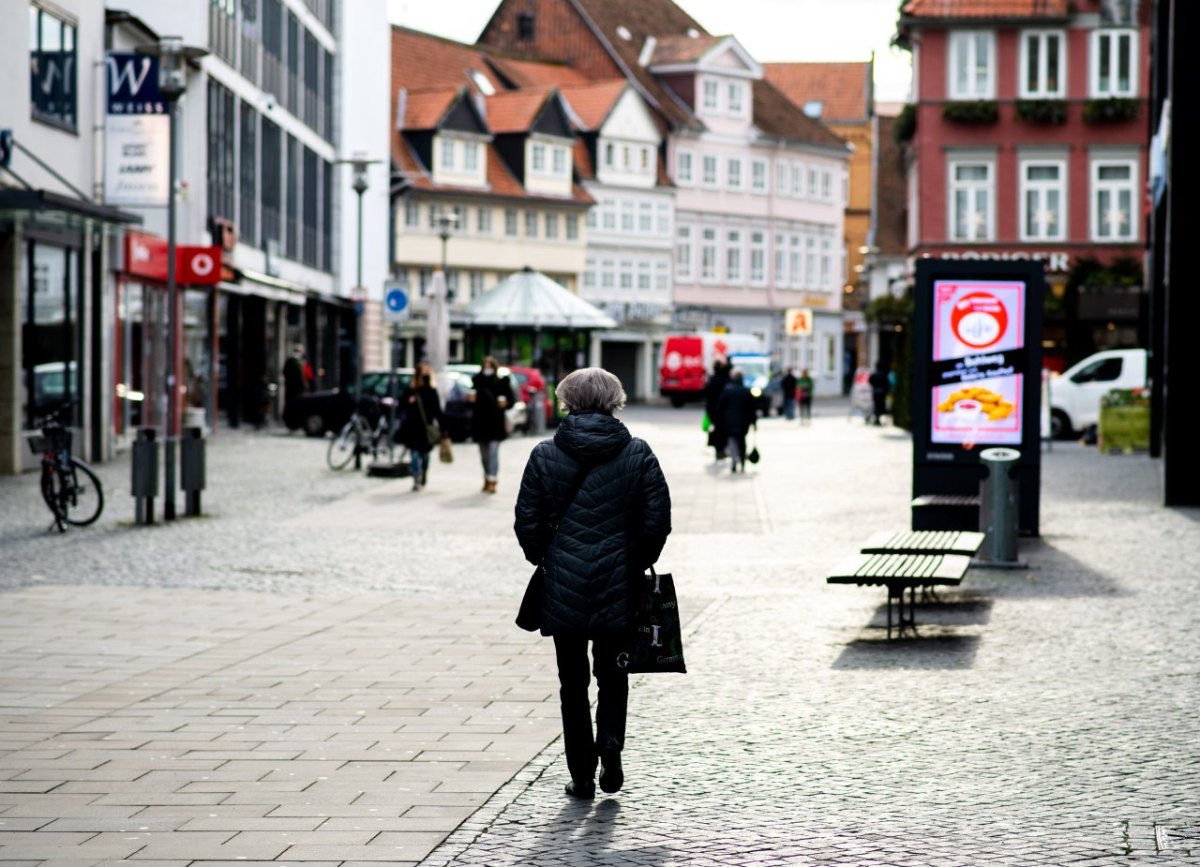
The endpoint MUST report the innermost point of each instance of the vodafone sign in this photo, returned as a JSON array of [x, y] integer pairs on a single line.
[[146, 256]]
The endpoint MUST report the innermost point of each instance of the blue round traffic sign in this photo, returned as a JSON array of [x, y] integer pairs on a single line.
[[396, 300]]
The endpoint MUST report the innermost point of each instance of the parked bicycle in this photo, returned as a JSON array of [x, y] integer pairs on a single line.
[[69, 487], [362, 436]]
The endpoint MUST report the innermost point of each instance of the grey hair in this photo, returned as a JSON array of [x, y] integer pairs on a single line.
[[591, 389]]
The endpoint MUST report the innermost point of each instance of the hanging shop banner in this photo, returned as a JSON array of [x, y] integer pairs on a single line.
[[137, 134], [978, 362], [146, 256]]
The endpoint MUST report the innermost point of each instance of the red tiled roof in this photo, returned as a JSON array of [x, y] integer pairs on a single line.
[[987, 8], [424, 109], [891, 192], [583, 160], [421, 61], [515, 110], [682, 49], [535, 73], [775, 115], [593, 102], [843, 88]]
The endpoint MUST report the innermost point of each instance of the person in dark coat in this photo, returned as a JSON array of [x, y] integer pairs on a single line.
[[614, 529], [493, 395], [294, 381], [717, 436], [880, 385], [788, 386], [737, 413], [417, 417]]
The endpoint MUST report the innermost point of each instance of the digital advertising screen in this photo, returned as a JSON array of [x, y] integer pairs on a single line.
[[979, 355]]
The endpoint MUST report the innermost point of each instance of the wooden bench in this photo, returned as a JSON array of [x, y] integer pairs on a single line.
[[945, 512], [962, 542], [898, 572]]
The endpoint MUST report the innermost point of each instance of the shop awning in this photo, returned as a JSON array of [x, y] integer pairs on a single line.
[[13, 199], [530, 299]]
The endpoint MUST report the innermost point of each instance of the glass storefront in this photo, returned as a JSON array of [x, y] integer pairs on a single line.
[[50, 337]]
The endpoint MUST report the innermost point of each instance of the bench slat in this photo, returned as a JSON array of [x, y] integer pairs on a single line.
[[907, 570]]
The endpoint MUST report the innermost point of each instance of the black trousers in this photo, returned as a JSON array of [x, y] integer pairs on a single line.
[[574, 677]]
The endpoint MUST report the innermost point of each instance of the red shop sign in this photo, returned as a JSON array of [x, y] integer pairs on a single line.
[[146, 256]]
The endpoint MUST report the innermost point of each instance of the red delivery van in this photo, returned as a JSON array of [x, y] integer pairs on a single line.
[[687, 360]]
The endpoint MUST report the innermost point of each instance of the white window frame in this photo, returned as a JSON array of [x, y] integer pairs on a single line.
[[802, 278], [645, 218], [610, 159], [685, 264], [625, 274], [628, 216], [1043, 73], [645, 279], [412, 214], [608, 274], [814, 182], [709, 271], [1041, 188], [572, 226], [781, 260], [471, 156], [733, 173], [1132, 186], [705, 160], [537, 158], [798, 174], [758, 257], [758, 176], [531, 224], [735, 107], [953, 186], [483, 221], [662, 219], [735, 272], [552, 226], [712, 106], [826, 185], [829, 355], [826, 281], [559, 161], [1113, 33], [685, 168], [963, 45], [782, 167], [512, 223], [447, 154]]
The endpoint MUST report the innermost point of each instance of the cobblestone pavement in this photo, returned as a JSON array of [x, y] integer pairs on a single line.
[[371, 701]]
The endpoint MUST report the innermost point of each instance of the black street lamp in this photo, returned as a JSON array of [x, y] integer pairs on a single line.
[[359, 165], [173, 57], [446, 223]]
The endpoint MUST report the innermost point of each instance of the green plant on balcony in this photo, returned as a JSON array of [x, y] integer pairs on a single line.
[[1113, 109], [905, 126], [971, 111], [1042, 111]]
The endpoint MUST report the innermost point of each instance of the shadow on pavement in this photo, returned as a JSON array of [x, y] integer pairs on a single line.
[[582, 833], [931, 648], [1052, 573]]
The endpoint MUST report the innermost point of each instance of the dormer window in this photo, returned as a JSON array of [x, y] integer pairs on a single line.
[[560, 161], [609, 155], [448, 153], [737, 101], [458, 160], [471, 156], [712, 95], [538, 158]]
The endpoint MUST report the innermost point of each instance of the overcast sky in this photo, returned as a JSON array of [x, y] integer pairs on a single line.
[[771, 30]]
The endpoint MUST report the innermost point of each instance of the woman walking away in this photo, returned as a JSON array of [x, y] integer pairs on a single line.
[[788, 386], [804, 394], [712, 394], [424, 426], [737, 413], [493, 395], [606, 493]]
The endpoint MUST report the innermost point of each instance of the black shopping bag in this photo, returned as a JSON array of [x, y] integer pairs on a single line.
[[656, 643]]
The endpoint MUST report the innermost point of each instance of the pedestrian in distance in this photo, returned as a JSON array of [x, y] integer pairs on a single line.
[[493, 395], [424, 424], [880, 385], [738, 414], [804, 396], [717, 437], [788, 386], [591, 547]]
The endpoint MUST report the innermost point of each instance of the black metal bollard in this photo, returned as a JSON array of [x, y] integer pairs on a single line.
[[144, 485], [193, 468]]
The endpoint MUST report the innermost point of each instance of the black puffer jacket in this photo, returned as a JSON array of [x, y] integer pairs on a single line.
[[618, 522]]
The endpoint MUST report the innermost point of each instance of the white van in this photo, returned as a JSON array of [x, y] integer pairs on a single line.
[[1075, 396]]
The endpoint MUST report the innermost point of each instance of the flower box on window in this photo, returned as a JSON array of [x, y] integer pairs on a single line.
[[1042, 111], [1112, 109], [972, 111]]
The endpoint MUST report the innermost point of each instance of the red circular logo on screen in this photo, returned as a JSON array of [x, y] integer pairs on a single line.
[[979, 320]]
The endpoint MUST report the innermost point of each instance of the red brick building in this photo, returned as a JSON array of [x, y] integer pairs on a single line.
[[1030, 141]]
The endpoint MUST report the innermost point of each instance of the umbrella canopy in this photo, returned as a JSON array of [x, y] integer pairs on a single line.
[[437, 323], [531, 299]]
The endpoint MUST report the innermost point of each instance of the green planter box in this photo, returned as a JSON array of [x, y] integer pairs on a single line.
[[1124, 421]]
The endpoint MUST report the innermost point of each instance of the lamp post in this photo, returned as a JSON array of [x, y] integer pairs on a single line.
[[173, 56], [446, 223]]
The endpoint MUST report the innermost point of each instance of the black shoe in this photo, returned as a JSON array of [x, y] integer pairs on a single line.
[[582, 791], [611, 775]]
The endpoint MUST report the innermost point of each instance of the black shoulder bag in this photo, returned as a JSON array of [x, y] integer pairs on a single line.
[[529, 617]]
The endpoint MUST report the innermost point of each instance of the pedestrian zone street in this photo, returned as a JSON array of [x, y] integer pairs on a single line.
[[324, 670]]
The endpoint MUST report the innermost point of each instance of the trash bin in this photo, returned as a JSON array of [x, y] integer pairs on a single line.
[[144, 484], [192, 468], [998, 506]]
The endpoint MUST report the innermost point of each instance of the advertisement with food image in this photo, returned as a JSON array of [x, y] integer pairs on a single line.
[[978, 356]]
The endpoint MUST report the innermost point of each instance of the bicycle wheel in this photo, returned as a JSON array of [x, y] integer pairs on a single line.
[[52, 488], [343, 446], [83, 501]]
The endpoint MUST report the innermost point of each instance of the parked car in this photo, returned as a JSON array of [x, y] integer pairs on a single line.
[[319, 412], [1075, 395], [529, 381]]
